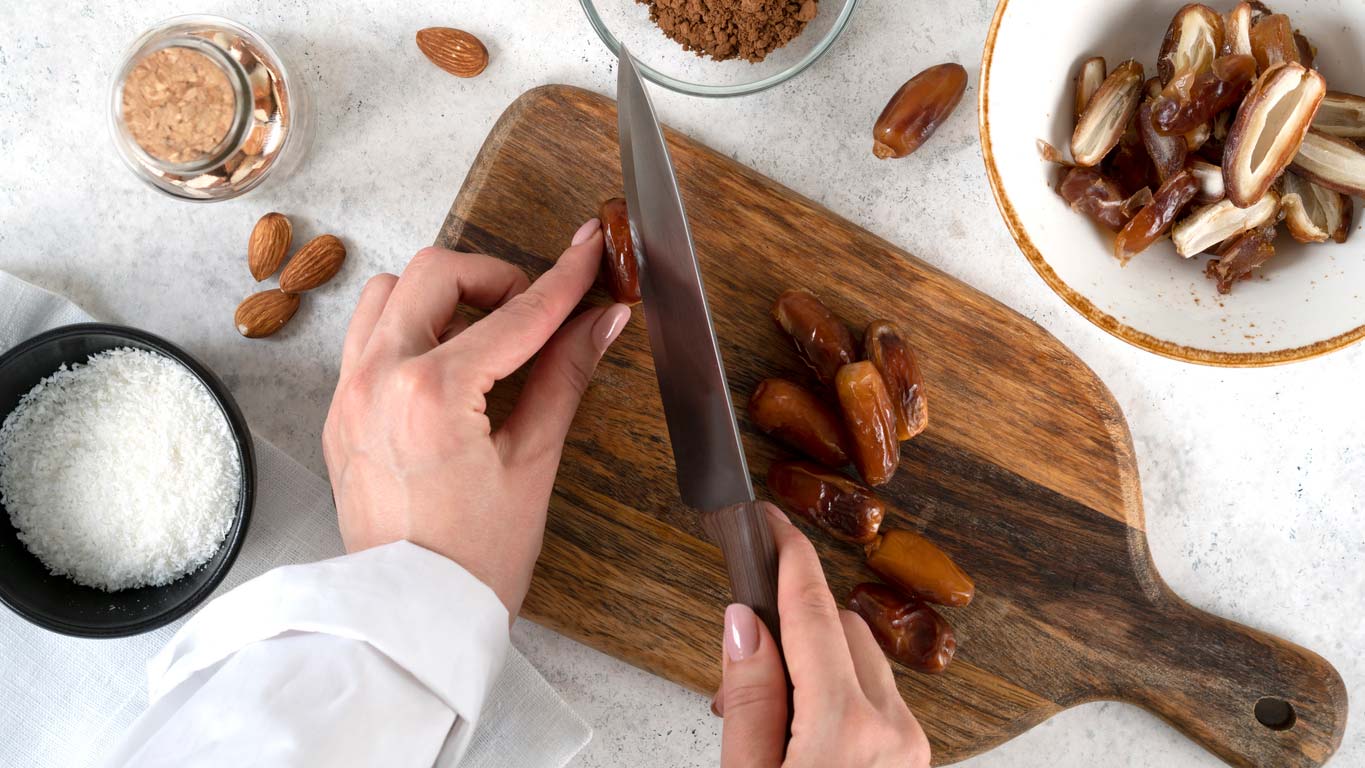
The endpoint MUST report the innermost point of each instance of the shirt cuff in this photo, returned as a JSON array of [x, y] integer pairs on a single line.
[[422, 610]]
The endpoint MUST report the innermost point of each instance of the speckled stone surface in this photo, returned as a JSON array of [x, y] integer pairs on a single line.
[[1254, 480]]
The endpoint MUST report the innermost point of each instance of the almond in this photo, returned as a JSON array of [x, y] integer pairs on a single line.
[[269, 243], [316, 262], [266, 312], [255, 140], [454, 50]]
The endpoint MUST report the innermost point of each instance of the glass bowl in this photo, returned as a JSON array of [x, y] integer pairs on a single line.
[[663, 61]]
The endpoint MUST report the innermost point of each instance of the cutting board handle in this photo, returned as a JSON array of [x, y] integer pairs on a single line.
[[1249, 697]]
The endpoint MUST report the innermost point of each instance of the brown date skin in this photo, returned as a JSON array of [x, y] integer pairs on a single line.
[[840, 507], [1343, 231], [1129, 165], [1090, 193], [619, 266], [1168, 153], [1241, 256], [1213, 149], [907, 630], [1169, 44], [822, 339], [912, 563], [801, 419], [1308, 53], [895, 360], [1211, 93], [871, 421], [1152, 88], [1089, 78], [1273, 42], [1157, 218], [917, 110]]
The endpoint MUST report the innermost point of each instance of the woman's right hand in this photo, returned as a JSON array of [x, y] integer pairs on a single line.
[[848, 711]]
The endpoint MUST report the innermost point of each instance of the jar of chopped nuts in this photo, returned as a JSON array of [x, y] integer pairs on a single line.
[[203, 109]]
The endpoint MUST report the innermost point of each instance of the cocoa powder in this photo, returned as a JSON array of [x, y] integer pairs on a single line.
[[732, 29]]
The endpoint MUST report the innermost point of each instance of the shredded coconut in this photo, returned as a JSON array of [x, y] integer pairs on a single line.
[[121, 472]]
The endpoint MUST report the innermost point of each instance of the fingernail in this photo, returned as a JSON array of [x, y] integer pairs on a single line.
[[586, 231], [741, 632], [610, 325], [777, 512]]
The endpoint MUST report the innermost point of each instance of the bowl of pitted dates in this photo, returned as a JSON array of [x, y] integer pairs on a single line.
[[1187, 176]]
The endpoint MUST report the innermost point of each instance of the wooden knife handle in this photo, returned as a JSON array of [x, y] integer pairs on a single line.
[[743, 535]]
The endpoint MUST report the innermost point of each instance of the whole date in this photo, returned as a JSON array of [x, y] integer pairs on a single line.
[[801, 419], [871, 421], [821, 338], [839, 506], [917, 566], [619, 267], [888, 350], [917, 109], [907, 630]]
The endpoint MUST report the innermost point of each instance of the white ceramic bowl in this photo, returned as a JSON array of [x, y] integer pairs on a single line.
[[1307, 301]]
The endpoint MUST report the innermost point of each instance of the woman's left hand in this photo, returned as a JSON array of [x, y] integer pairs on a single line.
[[411, 452]]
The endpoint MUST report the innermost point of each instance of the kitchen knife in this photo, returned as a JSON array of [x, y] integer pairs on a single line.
[[713, 477]]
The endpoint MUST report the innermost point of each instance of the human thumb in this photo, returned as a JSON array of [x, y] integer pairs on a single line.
[[753, 694]]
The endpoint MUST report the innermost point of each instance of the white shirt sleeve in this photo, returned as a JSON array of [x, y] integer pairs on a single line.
[[383, 657]]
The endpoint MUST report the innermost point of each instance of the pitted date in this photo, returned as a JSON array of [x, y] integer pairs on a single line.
[[1273, 42], [907, 630], [1194, 38], [839, 506], [912, 562], [1210, 94], [871, 421], [1157, 218], [1129, 165], [801, 419], [1089, 78], [1089, 192], [1106, 118], [822, 339], [1168, 153], [621, 270], [1240, 256], [888, 351]]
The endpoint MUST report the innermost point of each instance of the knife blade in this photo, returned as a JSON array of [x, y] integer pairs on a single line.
[[713, 475]]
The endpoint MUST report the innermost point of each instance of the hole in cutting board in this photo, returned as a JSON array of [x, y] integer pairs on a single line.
[[1275, 714]]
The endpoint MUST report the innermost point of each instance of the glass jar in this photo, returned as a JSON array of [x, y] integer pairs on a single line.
[[203, 109]]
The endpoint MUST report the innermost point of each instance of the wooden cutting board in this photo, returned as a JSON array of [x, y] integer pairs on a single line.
[[1025, 476]]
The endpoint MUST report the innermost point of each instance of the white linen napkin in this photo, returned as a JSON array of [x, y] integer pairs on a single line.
[[64, 701]]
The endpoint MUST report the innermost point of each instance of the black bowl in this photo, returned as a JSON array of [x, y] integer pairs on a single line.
[[58, 603]]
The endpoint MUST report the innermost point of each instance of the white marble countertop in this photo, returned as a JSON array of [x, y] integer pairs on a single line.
[[1254, 480]]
